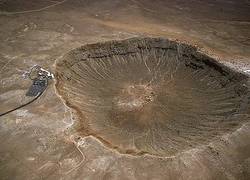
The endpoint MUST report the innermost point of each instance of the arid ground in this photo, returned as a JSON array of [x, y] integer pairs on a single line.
[[42, 140]]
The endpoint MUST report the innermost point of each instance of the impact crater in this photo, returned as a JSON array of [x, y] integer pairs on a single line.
[[152, 95]]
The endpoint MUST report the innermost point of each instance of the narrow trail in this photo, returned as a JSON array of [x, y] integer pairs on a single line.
[[34, 10]]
